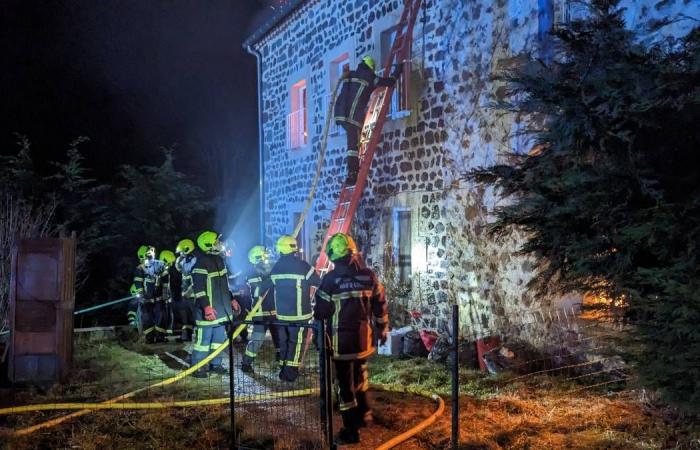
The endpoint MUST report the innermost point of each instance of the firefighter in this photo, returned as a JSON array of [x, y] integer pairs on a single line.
[[147, 280], [352, 299], [132, 309], [171, 283], [185, 309], [350, 106], [264, 319], [214, 304], [291, 279]]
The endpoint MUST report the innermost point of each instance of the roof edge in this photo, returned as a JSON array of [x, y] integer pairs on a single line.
[[272, 22]]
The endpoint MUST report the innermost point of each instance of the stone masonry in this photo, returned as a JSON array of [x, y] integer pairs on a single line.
[[458, 46]]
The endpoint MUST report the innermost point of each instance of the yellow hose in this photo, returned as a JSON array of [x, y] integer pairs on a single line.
[[403, 437], [156, 405], [178, 377]]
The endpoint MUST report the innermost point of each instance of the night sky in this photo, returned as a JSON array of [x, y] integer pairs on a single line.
[[135, 76]]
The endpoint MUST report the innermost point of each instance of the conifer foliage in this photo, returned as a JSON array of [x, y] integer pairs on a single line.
[[610, 195]]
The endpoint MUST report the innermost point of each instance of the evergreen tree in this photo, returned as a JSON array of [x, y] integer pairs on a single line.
[[610, 197]]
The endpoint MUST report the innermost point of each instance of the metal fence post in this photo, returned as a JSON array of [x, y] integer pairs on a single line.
[[231, 385], [455, 376], [325, 384]]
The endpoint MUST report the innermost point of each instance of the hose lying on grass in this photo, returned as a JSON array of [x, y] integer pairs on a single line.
[[156, 405], [406, 435], [168, 381]]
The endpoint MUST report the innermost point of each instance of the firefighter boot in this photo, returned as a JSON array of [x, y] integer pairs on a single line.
[[364, 413], [353, 163], [348, 434]]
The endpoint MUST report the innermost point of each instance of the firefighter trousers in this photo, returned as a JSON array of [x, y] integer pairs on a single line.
[[154, 319], [291, 342], [352, 134], [184, 309], [353, 383], [257, 339], [207, 339]]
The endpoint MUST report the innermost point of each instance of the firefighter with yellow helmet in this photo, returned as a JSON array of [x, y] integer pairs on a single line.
[[148, 286], [185, 309], [214, 304], [291, 279], [171, 283], [264, 318], [350, 106], [352, 299]]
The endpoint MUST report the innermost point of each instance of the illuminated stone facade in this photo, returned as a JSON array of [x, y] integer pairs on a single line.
[[417, 179]]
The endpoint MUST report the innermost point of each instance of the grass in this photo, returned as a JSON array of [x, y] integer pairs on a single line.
[[539, 412]]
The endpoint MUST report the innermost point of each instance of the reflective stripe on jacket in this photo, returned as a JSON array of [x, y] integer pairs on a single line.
[[291, 279], [210, 284], [357, 88], [351, 298]]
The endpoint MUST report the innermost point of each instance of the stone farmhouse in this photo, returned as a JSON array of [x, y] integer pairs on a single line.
[[421, 224]]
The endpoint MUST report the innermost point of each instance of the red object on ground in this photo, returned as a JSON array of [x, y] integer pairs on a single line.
[[429, 338], [483, 345]]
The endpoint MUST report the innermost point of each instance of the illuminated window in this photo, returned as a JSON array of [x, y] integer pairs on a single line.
[[297, 124], [400, 101], [401, 243]]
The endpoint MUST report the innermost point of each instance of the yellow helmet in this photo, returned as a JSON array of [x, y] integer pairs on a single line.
[[287, 245], [133, 290], [141, 252], [369, 61], [209, 242], [339, 245], [185, 246], [167, 257], [258, 255]]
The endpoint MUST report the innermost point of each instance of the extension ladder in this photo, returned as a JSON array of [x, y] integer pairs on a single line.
[[350, 196]]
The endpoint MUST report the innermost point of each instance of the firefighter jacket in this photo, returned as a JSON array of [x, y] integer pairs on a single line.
[[148, 280], [251, 292], [354, 96], [291, 279], [184, 265], [351, 298], [209, 280]]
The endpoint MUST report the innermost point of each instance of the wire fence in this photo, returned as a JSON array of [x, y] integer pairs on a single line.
[[265, 411]]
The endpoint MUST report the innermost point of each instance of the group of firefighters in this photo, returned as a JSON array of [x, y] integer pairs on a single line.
[[195, 282]]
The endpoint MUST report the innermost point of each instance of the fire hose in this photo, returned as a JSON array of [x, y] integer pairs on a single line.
[[168, 381]]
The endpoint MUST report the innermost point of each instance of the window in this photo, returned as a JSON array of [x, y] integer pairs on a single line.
[[335, 71], [338, 66], [400, 104], [297, 124], [401, 243]]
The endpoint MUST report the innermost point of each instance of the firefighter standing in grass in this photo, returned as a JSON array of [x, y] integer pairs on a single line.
[[352, 299], [171, 283], [147, 280], [185, 309], [214, 304], [291, 279], [264, 319], [350, 106]]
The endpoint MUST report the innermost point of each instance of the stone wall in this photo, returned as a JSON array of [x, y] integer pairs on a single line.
[[421, 161]]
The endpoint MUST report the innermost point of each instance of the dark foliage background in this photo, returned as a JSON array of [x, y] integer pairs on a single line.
[[610, 196]]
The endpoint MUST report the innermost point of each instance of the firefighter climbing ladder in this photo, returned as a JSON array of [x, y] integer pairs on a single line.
[[350, 196]]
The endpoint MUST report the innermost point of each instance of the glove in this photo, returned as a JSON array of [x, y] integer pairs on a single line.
[[398, 70], [209, 313], [235, 306]]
